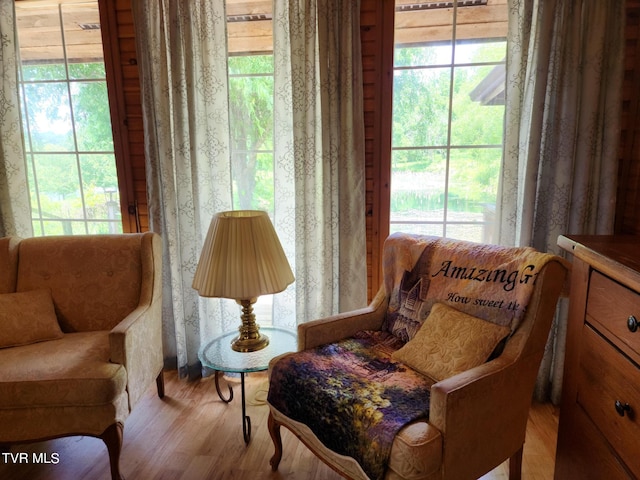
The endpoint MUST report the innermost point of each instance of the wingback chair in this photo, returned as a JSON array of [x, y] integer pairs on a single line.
[[434, 379], [81, 337]]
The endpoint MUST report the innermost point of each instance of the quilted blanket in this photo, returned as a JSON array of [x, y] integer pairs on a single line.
[[491, 282], [352, 395]]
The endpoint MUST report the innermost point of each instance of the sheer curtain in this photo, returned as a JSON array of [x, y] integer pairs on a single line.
[[318, 157], [564, 80], [319, 149], [15, 208]]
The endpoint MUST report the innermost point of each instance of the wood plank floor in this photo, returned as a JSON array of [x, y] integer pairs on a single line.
[[192, 435]]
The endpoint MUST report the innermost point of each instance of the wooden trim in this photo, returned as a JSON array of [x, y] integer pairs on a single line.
[[115, 89], [377, 60], [385, 120]]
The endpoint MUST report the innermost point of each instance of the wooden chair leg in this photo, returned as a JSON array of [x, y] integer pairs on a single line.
[[112, 437], [515, 465], [160, 384], [274, 431]]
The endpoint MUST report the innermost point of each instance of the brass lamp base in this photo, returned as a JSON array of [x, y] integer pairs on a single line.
[[250, 338]]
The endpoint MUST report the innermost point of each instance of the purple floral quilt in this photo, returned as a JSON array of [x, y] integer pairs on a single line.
[[352, 395]]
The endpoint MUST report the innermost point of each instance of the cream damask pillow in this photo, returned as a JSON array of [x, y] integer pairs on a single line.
[[27, 317], [450, 342]]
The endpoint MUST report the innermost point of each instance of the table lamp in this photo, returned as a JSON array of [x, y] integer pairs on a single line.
[[241, 259]]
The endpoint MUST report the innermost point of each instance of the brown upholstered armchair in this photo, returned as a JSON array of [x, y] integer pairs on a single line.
[[81, 337], [435, 378]]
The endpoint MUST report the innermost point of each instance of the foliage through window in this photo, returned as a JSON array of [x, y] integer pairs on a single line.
[[448, 115], [251, 124], [69, 149]]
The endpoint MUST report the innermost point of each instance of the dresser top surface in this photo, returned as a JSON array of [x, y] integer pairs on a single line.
[[616, 255]]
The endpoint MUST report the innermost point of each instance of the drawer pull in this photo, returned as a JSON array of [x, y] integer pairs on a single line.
[[632, 323], [622, 408]]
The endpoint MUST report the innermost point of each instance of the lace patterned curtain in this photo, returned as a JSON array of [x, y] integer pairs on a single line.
[[563, 94], [318, 157], [15, 208], [319, 149]]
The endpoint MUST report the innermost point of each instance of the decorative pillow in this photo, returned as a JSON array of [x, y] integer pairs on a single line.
[[27, 317], [450, 342]]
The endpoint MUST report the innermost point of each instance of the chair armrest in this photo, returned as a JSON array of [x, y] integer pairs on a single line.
[[136, 343], [343, 325], [487, 405]]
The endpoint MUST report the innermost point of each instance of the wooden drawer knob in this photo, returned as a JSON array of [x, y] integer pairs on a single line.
[[622, 408], [632, 323]]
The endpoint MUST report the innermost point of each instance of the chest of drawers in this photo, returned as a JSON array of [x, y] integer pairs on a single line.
[[599, 429]]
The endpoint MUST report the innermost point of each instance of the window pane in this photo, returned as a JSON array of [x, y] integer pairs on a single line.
[[250, 64], [251, 112], [252, 180], [92, 116], [43, 72], [419, 229], [418, 180], [423, 55], [99, 172], [105, 227], [480, 51], [469, 232], [49, 117], [420, 107], [57, 179], [264, 192], [64, 227], [473, 122], [84, 71], [473, 185]]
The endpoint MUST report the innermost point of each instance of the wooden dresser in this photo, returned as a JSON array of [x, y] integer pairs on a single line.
[[599, 431]]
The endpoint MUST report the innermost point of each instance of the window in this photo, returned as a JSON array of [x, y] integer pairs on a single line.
[[69, 149], [251, 124], [448, 114], [250, 59]]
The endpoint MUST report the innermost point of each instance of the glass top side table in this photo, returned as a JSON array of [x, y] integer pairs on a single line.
[[218, 355]]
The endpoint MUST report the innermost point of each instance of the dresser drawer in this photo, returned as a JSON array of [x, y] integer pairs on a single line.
[[606, 377], [609, 307]]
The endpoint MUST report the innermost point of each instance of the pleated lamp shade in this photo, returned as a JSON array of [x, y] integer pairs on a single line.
[[242, 257]]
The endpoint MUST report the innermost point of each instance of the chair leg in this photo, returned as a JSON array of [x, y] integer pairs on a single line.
[[515, 465], [160, 384], [112, 437], [274, 431]]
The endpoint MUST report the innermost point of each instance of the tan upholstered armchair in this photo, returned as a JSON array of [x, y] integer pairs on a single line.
[[81, 337], [435, 378]]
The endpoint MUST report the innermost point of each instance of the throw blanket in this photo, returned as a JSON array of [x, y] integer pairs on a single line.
[[352, 395], [491, 282]]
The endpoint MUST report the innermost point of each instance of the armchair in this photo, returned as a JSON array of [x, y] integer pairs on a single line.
[[434, 379], [81, 340]]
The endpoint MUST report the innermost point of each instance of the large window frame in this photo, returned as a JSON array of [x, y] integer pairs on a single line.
[[72, 34], [432, 209]]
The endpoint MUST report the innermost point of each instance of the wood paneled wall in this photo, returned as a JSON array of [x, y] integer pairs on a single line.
[[628, 199], [377, 51], [123, 78], [376, 30]]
